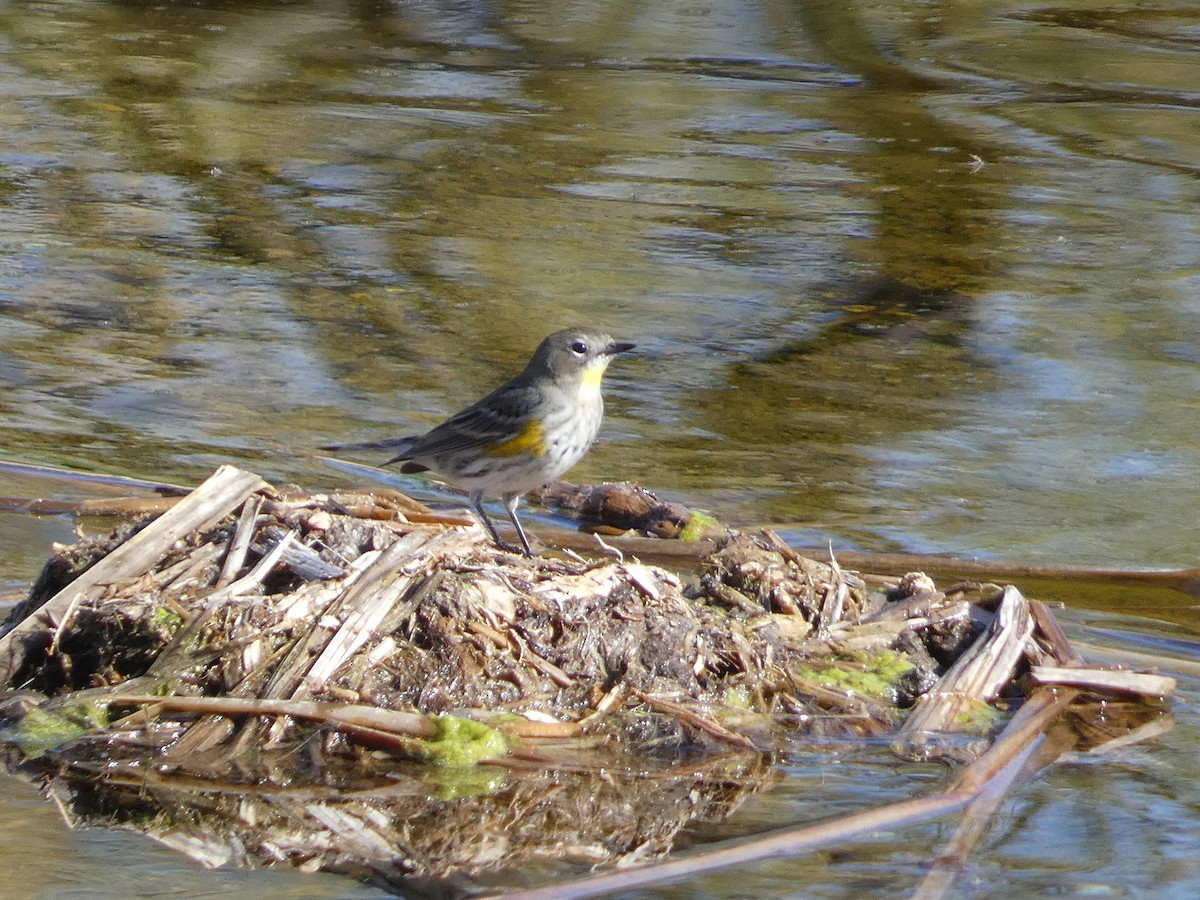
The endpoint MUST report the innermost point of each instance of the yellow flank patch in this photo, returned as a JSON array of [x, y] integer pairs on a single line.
[[531, 440]]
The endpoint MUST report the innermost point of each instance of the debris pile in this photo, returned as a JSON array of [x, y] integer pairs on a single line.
[[338, 682]]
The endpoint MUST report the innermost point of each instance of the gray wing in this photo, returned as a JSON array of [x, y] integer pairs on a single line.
[[496, 418]]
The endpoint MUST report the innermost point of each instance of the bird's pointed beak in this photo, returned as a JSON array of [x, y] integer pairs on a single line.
[[615, 347]]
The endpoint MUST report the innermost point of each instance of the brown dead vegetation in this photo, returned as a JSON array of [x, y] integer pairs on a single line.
[[345, 682]]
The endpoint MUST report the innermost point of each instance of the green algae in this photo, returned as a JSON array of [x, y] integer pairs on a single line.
[[739, 697], [700, 526], [462, 743], [983, 719], [44, 729], [874, 674], [461, 783], [166, 621]]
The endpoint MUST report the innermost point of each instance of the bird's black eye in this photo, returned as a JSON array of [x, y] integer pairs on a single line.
[[578, 347]]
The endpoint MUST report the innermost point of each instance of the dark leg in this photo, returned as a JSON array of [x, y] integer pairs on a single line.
[[477, 502], [510, 503]]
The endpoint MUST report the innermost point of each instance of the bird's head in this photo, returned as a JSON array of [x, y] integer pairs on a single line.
[[577, 354]]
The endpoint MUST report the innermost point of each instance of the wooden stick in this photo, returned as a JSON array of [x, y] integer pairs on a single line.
[[220, 495], [365, 604], [977, 676], [54, 473], [304, 561], [1106, 680], [1011, 750], [695, 720], [390, 720], [235, 554], [1049, 747], [122, 507], [254, 577], [667, 553], [1053, 636]]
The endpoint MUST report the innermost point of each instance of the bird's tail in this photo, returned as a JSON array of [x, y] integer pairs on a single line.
[[399, 447]]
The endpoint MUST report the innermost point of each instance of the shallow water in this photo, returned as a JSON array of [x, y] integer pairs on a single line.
[[903, 276]]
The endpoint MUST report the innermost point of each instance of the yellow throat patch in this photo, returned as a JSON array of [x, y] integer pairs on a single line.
[[589, 381]]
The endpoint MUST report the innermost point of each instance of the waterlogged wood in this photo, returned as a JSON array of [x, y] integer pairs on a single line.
[[220, 495], [976, 677], [685, 554], [669, 553], [973, 827], [1046, 745], [54, 473], [332, 714], [695, 720], [116, 507], [1000, 764], [1053, 638], [1147, 731], [1106, 680]]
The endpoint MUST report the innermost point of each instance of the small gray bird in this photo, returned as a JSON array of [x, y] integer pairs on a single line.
[[527, 432]]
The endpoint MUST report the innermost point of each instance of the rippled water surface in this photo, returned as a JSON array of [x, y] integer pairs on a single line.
[[907, 276]]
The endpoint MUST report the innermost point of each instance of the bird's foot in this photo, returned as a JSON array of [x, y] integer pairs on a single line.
[[515, 548]]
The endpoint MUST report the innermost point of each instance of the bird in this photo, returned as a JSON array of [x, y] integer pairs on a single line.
[[525, 433]]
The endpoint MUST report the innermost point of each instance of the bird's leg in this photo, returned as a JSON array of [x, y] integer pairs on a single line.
[[510, 503], [477, 502]]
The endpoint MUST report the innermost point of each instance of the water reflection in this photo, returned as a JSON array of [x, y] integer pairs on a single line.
[[917, 276]]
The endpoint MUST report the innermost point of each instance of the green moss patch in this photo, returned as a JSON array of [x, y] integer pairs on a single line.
[[41, 729]]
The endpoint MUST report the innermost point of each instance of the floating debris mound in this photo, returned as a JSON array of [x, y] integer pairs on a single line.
[[260, 676]]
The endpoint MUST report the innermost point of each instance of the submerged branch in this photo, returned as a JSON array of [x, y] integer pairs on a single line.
[[996, 770], [332, 714]]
